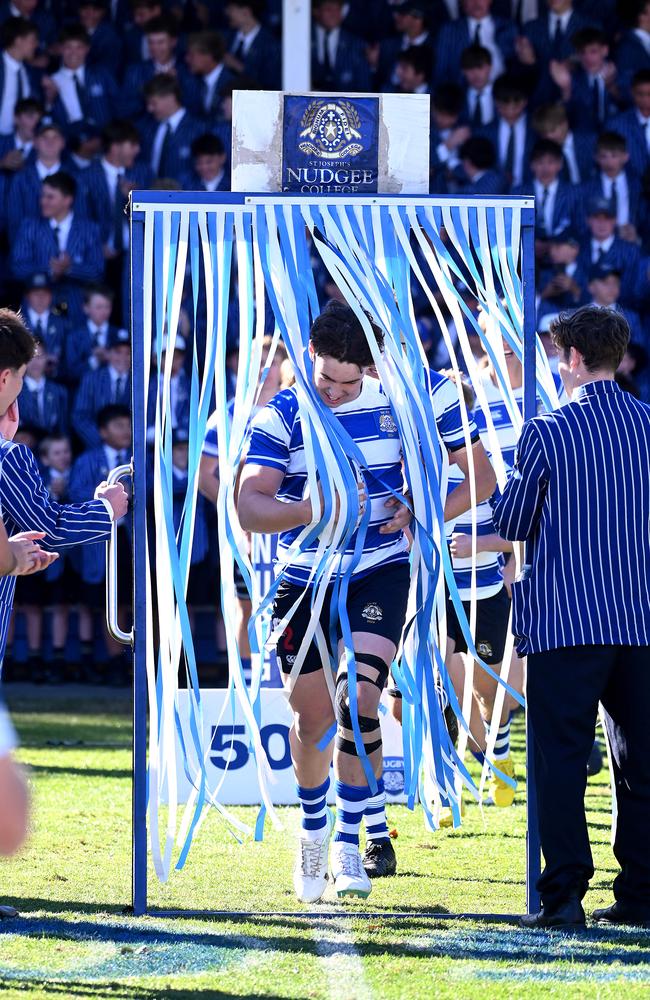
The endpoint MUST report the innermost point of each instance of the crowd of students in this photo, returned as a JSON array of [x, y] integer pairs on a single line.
[[97, 98]]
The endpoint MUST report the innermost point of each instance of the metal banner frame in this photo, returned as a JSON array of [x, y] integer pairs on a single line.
[[140, 202]]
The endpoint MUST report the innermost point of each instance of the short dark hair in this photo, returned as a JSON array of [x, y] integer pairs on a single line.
[[207, 145], [418, 57], [60, 181], [546, 147], [508, 88], [119, 131], [162, 85], [209, 42], [448, 98], [479, 151], [15, 28], [640, 78], [28, 104], [600, 335], [162, 24], [474, 56], [17, 345], [588, 36], [612, 141], [74, 33], [337, 333], [112, 411], [98, 289]]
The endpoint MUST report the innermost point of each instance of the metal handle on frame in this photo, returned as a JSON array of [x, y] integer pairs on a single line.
[[120, 472]]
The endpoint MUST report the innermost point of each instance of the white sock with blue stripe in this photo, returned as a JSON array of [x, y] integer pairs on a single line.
[[502, 742], [351, 802], [313, 807], [375, 814]]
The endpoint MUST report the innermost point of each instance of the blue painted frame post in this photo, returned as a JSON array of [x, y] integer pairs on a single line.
[[139, 830], [533, 851]]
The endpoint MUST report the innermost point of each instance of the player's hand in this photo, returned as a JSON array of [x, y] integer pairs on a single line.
[[13, 160], [525, 51], [609, 73], [628, 232], [50, 89], [560, 74], [116, 496], [458, 136], [509, 574], [9, 422], [461, 545], [400, 519], [30, 557]]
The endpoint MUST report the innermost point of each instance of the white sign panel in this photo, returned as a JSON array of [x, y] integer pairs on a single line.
[[230, 764]]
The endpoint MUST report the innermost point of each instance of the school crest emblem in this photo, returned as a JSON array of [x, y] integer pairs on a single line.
[[386, 423], [372, 612]]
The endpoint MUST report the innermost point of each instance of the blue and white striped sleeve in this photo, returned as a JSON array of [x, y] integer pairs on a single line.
[[270, 437], [26, 501], [448, 414], [517, 510]]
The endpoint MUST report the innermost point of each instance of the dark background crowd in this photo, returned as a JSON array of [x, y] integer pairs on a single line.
[[100, 97]]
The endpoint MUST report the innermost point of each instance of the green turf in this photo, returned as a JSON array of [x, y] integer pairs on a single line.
[[72, 884]]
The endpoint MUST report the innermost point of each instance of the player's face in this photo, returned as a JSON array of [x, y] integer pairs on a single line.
[[73, 53], [641, 95], [117, 433], [336, 382], [39, 299], [98, 309], [612, 161], [11, 383], [120, 358], [161, 47], [59, 455], [601, 226]]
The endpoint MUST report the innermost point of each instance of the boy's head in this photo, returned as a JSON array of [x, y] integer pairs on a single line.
[[49, 142], [27, 115], [118, 351], [564, 247], [604, 285], [413, 68], [114, 425], [599, 336], [205, 50], [476, 64], [592, 48], [641, 92], [162, 37], [601, 219], [144, 11], [611, 153], [477, 155], [16, 351], [209, 156], [98, 304], [57, 195], [510, 98], [162, 96], [327, 13], [38, 362], [121, 143], [340, 353], [410, 19], [19, 37], [55, 452], [38, 293], [550, 121], [546, 161], [75, 45], [92, 13], [446, 105]]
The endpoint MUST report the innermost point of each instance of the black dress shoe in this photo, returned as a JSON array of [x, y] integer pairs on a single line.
[[622, 913], [568, 914], [379, 859]]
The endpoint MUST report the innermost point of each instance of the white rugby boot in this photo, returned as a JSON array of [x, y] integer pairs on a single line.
[[311, 872], [350, 878]]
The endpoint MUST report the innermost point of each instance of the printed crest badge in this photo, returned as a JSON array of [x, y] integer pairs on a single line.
[[386, 423], [484, 648], [331, 130], [330, 144], [373, 612], [393, 775]]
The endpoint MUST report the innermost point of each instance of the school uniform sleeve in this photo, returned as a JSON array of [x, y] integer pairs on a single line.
[[26, 501], [517, 510], [270, 436], [448, 414]]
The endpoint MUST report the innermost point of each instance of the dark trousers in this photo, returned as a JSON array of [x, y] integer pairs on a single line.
[[564, 687]]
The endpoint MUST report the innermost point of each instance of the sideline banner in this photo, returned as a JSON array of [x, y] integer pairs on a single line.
[[229, 760]]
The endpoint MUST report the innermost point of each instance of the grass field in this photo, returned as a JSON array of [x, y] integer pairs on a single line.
[[72, 884]]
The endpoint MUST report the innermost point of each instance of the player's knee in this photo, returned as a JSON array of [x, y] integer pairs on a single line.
[[310, 727], [367, 700]]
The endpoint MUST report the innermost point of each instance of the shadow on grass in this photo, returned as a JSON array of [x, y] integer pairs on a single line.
[[123, 991], [82, 772]]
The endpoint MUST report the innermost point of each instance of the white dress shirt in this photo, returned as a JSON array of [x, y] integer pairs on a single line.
[[247, 40], [34, 318], [332, 43], [64, 80], [12, 69], [549, 207], [487, 41], [520, 145], [64, 230], [211, 81], [644, 38], [622, 196], [487, 103], [596, 247], [562, 18], [569, 150], [44, 171], [214, 183]]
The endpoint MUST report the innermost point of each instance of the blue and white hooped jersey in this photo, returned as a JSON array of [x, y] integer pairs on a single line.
[[276, 441], [505, 430]]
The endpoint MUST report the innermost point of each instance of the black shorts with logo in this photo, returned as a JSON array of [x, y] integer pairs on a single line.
[[376, 603], [492, 615]]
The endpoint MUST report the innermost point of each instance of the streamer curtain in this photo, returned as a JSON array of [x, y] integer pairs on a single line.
[[194, 256]]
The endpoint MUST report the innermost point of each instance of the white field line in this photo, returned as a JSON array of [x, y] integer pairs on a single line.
[[341, 962]]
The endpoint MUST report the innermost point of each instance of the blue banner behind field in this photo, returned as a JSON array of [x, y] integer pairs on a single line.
[[330, 145]]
